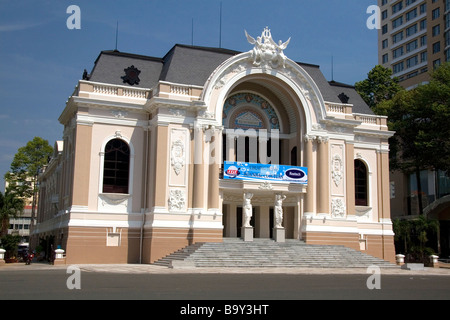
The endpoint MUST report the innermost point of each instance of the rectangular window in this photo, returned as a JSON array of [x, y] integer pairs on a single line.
[[423, 41], [411, 62], [396, 68], [411, 14], [397, 53], [411, 46], [436, 47], [397, 7], [436, 30], [436, 13], [423, 56], [397, 37], [397, 22], [411, 30], [423, 8], [423, 24]]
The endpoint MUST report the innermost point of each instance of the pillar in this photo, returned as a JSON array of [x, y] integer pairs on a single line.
[[350, 178], [231, 141], [215, 160], [308, 163], [323, 185], [81, 168], [199, 174], [161, 166]]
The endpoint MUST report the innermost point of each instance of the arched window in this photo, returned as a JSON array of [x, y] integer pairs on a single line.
[[361, 183], [116, 167]]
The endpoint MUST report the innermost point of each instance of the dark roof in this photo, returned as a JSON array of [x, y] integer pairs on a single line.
[[349, 92], [193, 65]]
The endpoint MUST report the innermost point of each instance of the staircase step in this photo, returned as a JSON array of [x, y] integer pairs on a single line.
[[268, 253]]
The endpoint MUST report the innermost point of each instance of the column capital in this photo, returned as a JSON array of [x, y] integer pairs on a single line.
[[323, 139]]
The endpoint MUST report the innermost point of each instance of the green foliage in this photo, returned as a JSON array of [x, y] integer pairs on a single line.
[[378, 87], [415, 238], [420, 119], [11, 206], [26, 164], [9, 242]]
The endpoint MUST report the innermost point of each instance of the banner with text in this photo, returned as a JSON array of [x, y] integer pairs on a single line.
[[264, 172]]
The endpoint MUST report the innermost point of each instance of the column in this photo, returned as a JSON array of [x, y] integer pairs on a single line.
[[350, 178], [215, 157], [323, 186], [81, 168], [298, 216], [199, 174], [308, 163], [231, 141], [160, 199]]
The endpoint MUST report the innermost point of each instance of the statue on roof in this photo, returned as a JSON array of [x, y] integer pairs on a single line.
[[266, 51]]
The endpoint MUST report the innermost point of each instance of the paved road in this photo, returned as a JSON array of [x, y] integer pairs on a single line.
[[42, 282]]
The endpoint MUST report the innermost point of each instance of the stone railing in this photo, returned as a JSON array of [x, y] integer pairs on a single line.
[[374, 120], [88, 88], [339, 108], [177, 91], [163, 90]]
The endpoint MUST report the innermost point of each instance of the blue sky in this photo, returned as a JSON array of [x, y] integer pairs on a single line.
[[41, 60]]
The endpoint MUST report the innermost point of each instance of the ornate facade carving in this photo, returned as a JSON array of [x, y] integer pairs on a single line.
[[247, 209], [337, 208], [278, 210], [177, 200], [177, 158], [337, 172], [267, 52]]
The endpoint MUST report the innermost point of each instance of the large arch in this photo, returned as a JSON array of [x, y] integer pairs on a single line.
[[293, 81]]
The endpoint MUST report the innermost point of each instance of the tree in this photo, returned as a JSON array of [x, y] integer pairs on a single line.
[[417, 238], [11, 206], [27, 162], [378, 87], [420, 119], [25, 167]]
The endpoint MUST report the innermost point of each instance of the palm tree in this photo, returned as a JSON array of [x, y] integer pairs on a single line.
[[11, 206]]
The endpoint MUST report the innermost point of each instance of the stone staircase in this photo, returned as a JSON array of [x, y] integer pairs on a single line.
[[268, 253]]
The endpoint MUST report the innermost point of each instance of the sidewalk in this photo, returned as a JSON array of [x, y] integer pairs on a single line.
[[153, 269]]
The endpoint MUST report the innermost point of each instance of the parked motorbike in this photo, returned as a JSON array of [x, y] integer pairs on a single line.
[[28, 257]]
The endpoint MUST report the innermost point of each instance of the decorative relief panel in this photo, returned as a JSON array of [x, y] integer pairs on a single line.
[[337, 172], [337, 169], [177, 159], [177, 200], [337, 208], [110, 202], [178, 149]]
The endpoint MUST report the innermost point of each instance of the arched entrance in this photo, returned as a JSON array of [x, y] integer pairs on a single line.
[[257, 101], [262, 125]]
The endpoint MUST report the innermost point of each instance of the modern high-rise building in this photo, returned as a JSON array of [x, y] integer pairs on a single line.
[[414, 38]]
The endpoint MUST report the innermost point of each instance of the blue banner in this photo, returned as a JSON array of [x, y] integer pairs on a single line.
[[264, 172]]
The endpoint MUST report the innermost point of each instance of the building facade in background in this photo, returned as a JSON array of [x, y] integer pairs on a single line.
[[207, 143], [414, 38]]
